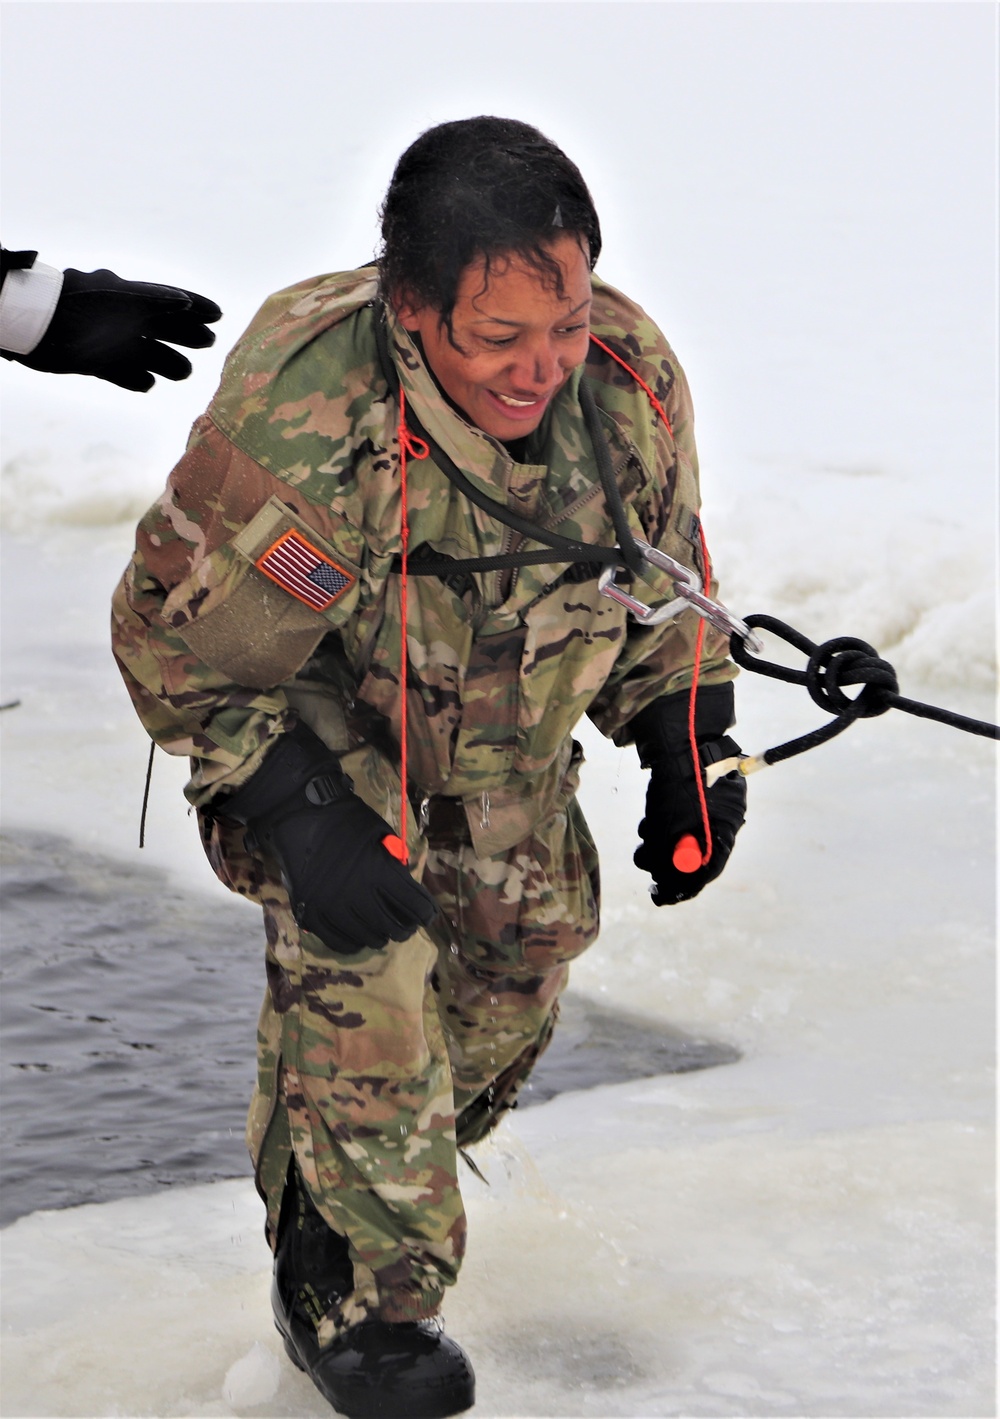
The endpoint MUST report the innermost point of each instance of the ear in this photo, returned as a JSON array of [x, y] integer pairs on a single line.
[[408, 310]]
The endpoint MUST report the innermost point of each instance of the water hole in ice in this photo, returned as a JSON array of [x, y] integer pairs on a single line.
[[128, 1015]]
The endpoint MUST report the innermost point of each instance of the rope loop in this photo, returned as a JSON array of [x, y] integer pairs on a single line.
[[411, 445], [842, 661]]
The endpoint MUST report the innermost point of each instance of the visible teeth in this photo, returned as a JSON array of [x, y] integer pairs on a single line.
[[516, 403]]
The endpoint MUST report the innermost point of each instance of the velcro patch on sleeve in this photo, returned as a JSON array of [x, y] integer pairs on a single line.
[[687, 523], [301, 569]]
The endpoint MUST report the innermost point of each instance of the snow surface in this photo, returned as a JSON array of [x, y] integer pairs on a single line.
[[804, 197]]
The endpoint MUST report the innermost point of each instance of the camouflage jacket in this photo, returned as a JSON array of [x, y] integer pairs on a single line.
[[300, 450]]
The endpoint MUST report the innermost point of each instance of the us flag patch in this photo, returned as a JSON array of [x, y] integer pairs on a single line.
[[299, 568]]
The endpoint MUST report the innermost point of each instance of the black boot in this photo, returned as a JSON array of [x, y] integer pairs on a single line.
[[377, 1368]]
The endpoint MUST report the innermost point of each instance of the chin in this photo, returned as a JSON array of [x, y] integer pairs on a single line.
[[500, 428], [517, 431]]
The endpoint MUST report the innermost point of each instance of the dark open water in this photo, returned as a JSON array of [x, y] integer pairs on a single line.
[[127, 1028]]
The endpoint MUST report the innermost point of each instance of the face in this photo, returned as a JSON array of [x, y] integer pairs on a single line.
[[518, 340]]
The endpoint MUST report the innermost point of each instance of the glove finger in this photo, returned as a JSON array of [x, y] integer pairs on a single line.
[[203, 309], [169, 298], [645, 858], [136, 294], [345, 934], [127, 374], [372, 920], [369, 929], [161, 359], [348, 937], [657, 849], [152, 300], [671, 886], [385, 915], [409, 900], [408, 915], [183, 329]]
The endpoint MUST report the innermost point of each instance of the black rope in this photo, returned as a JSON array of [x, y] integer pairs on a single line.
[[842, 661], [612, 493], [145, 795]]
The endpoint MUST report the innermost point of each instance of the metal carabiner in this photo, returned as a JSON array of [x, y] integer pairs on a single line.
[[688, 586]]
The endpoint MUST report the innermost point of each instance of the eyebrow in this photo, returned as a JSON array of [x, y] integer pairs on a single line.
[[497, 320]]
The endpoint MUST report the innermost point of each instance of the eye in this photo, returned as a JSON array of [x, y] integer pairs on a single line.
[[572, 329], [498, 342]]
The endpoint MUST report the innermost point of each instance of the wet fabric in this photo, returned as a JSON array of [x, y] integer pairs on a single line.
[[374, 1069]]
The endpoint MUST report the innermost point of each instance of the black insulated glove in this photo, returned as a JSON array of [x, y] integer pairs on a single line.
[[344, 886], [672, 806], [114, 329]]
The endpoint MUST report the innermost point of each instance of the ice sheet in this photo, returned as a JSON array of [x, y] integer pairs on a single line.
[[808, 1231]]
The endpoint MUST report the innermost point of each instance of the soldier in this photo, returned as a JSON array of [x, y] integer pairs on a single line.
[[367, 607]]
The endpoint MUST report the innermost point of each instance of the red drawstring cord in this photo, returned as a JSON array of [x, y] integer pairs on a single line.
[[692, 705], [409, 445], [638, 379]]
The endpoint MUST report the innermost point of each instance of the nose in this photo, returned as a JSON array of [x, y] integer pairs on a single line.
[[538, 370]]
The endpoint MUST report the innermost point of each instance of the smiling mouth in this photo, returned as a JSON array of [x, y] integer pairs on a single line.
[[513, 403]]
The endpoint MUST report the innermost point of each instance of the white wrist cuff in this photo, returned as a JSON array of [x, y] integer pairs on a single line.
[[27, 304]]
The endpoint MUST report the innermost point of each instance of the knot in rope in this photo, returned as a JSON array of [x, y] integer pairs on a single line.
[[845, 660], [842, 661], [410, 444]]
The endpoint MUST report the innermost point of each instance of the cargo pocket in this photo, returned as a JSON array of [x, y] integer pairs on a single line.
[[526, 911], [257, 607], [487, 735], [560, 905]]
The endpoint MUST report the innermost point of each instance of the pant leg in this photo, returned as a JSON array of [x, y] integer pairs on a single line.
[[354, 1081], [365, 1091], [362, 1059], [508, 928]]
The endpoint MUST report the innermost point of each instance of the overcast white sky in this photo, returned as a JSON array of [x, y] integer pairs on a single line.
[[802, 194]]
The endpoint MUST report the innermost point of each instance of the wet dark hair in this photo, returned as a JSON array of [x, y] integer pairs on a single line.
[[489, 187]]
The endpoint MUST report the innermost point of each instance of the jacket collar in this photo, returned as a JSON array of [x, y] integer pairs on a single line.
[[569, 472]]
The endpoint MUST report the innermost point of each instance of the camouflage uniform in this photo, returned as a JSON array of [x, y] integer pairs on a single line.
[[374, 1068]]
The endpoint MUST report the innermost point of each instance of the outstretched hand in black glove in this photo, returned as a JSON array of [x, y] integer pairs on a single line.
[[345, 886], [115, 329], [673, 809]]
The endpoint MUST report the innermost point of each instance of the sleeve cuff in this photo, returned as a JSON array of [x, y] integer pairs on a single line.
[[27, 304]]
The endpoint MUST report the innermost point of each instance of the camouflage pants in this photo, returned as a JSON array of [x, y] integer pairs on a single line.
[[373, 1069]]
